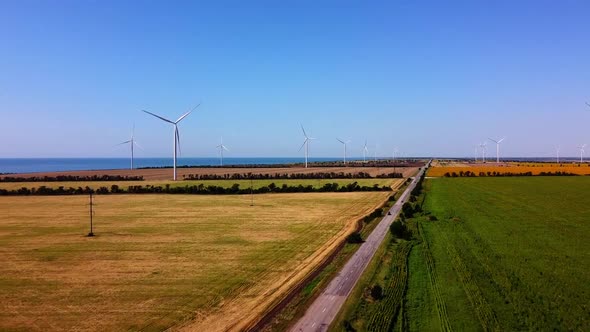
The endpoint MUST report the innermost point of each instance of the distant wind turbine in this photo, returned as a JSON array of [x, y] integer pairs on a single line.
[[587, 104], [582, 147], [306, 144], [365, 151], [131, 143], [497, 148], [221, 147], [476, 152], [395, 151], [344, 143], [176, 133], [483, 147], [557, 148]]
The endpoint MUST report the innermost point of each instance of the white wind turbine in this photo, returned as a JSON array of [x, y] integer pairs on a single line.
[[176, 134], [497, 148], [365, 151], [476, 152], [221, 147], [131, 143], [483, 147], [395, 151], [306, 144], [582, 147], [344, 143], [557, 148]]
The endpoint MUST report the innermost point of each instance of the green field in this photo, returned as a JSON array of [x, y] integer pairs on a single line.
[[316, 183], [504, 254], [212, 262]]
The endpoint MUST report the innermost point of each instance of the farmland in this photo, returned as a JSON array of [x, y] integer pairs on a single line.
[[156, 174], [316, 183], [488, 254], [515, 168], [159, 261]]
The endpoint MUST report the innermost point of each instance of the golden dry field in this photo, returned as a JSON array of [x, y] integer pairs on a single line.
[[202, 263], [316, 183], [166, 173], [534, 168]]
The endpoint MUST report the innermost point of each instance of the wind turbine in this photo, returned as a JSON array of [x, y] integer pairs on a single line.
[[176, 134], [221, 147], [483, 147], [582, 147], [344, 143], [476, 152], [395, 151], [557, 152], [306, 144], [131, 143], [365, 151], [587, 104], [497, 148]]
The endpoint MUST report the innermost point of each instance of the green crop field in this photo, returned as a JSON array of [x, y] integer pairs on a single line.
[[209, 263], [316, 183], [503, 254]]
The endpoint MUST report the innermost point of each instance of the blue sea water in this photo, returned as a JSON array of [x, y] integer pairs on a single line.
[[30, 165]]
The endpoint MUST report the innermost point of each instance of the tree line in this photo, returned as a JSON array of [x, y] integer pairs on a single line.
[[61, 178], [199, 189], [299, 176]]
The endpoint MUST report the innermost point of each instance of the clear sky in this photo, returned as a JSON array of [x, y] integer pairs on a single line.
[[428, 77]]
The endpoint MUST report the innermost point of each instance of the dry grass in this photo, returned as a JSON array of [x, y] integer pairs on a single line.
[[166, 173], [207, 262], [534, 168], [317, 183]]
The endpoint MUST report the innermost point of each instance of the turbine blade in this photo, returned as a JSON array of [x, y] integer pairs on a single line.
[[341, 141], [304, 133], [183, 116], [493, 140], [159, 117], [122, 143], [225, 148], [139, 146], [302, 145], [500, 141]]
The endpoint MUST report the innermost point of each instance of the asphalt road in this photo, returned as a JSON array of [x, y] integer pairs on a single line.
[[325, 308]]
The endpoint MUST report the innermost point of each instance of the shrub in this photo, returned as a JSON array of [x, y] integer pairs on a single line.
[[354, 238], [377, 292]]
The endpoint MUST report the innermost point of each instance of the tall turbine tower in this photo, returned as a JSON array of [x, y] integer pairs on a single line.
[[483, 147], [582, 147], [344, 143], [176, 136], [365, 151], [131, 143], [306, 144], [557, 152], [395, 151], [497, 148], [221, 147]]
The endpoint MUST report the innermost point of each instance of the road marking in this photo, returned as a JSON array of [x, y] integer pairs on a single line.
[[312, 325], [324, 309]]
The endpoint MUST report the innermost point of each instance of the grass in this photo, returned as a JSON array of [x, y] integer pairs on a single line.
[[208, 262], [316, 183], [504, 254]]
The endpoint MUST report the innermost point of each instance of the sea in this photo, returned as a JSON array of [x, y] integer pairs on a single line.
[[31, 165]]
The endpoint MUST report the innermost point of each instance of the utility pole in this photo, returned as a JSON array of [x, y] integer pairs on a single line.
[[91, 213]]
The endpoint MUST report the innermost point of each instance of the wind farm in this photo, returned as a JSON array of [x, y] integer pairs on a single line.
[[332, 167]]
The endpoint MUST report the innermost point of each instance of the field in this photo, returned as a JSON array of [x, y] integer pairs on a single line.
[[534, 168], [316, 183], [503, 254], [166, 173], [207, 262]]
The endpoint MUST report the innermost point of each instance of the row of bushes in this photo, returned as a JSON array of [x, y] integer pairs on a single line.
[[319, 175], [196, 189], [354, 163], [482, 174], [59, 178]]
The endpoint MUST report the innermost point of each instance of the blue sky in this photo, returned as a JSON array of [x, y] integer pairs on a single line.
[[428, 77]]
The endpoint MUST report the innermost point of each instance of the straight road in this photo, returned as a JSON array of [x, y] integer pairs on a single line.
[[325, 308]]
